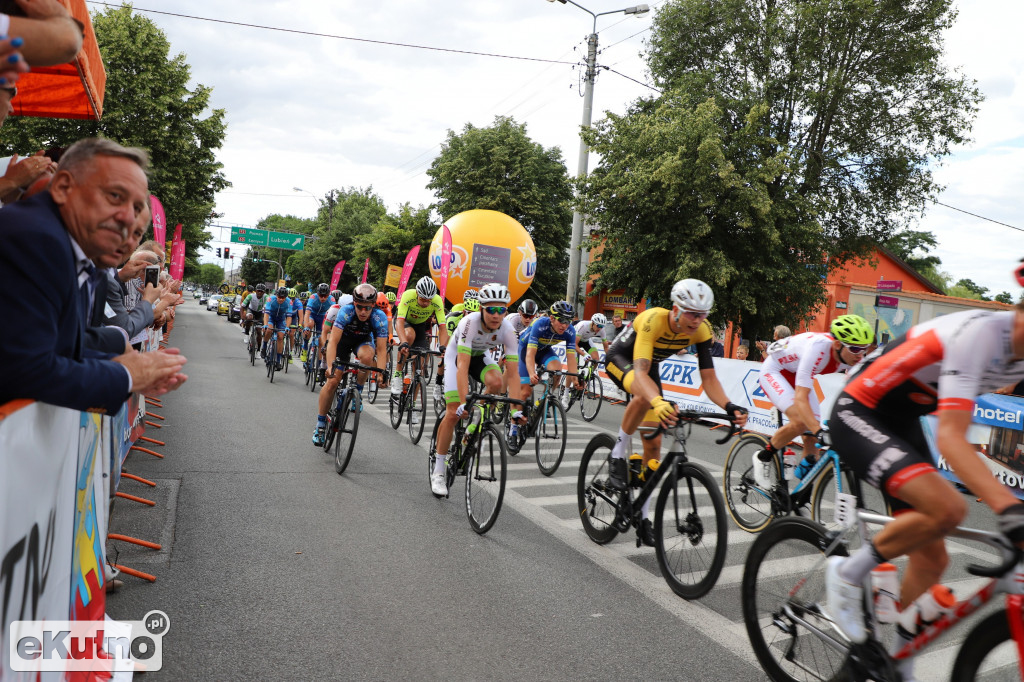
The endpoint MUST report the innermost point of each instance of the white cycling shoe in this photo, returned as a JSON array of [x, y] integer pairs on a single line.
[[438, 485], [762, 471], [396, 385], [845, 602]]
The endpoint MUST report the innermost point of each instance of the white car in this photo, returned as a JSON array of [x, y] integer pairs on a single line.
[[212, 303]]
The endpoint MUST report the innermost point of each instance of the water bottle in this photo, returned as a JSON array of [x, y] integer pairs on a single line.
[[636, 469], [927, 609], [789, 464], [885, 586]]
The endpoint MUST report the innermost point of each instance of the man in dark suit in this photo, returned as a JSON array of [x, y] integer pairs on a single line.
[[46, 246]]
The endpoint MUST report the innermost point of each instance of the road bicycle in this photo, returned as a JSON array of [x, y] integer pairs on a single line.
[[546, 424], [413, 398], [690, 525], [753, 507], [253, 343], [478, 453], [794, 639], [591, 395], [313, 363], [373, 388], [343, 414], [270, 354]]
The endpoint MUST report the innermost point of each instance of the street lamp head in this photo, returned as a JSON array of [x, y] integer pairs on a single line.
[[639, 9], [561, 1], [298, 189]]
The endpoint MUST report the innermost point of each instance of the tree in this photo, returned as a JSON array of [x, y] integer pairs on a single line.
[[1004, 297], [210, 275], [500, 168], [147, 104], [908, 245], [977, 290], [388, 242]]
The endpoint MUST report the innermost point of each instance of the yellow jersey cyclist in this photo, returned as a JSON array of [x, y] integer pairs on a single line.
[[467, 353], [632, 364], [417, 311]]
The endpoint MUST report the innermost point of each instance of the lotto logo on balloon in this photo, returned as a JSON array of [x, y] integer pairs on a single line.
[[487, 246]]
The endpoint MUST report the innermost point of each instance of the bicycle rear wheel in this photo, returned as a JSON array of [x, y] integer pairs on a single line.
[[485, 480], [396, 408], [286, 353], [596, 512], [782, 595], [593, 396], [331, 429], [989, 652], [348, 426], [823, 497], [314, 363], [417, 408], [750, 506], [690, 531], [551, 435]]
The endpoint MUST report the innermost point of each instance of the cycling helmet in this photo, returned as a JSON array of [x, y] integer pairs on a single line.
[[692, 295], [1018, 272], [382, 300], [293, 292], [336, 294], [426, 287], [249, 288], [853, 330], [391, 297], [472, 306], [470, 293], [323, 290], [364, 293], [528, 307], [599, 320], [261, 287], [562, 311], [304, 295], [282, 292], [494, 293]]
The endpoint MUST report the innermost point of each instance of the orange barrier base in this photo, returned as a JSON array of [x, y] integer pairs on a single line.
[[155, 415], [152, 440], [154, 425], [140, 479], [134, 541], [137, 574], [147, 451], [133, 498]]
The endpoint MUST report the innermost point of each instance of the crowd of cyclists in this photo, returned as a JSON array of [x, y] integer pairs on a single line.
[[940, 366]]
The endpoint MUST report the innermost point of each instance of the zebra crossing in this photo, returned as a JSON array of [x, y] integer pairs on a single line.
[[551, 503]]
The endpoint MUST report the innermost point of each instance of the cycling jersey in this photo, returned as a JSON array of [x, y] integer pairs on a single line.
[[470, 338], [409, 309], [254, 303], [795, 361], [298, 307], [454, 317], [651, 338], [317, 307], [542, 336], [374, 327], [585, 331], [518, 323], [278, 310]]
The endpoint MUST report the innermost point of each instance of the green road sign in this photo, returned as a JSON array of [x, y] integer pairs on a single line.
[[286, 240], [245, 235]]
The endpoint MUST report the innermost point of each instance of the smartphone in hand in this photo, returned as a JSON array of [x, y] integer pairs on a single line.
[[153, 275]]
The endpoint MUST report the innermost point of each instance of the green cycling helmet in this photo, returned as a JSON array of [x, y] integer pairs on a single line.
[[853, 330], [391, 296], [471, 305], [293, 292]]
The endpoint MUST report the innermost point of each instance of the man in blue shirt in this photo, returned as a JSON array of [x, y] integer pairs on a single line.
[[537, 347], [278, 310], [316, 310]]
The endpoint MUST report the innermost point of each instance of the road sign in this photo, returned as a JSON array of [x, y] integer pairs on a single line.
[[886, 302], [889, 285], [286, 240], [245, 235]]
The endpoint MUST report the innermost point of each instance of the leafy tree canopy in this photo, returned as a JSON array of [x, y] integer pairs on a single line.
[[210, 275]]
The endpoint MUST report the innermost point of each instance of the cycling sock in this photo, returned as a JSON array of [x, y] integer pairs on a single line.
[[321, 419], [862, 562], [621, 445], [646, 508], [439, 464]]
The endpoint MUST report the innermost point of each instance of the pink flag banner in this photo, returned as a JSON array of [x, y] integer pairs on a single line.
[[446, 258], [159, 221], [178, 260], [337, 274], [177, 232], [410, 261], [366, 270]]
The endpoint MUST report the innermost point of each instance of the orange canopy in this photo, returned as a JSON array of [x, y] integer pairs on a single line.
[[72, 90]]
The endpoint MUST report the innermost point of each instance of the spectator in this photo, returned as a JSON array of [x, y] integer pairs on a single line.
[[614, 329], [51, 35], [717, 347], [96, 196], [780, 332], [19, 175], [742, 352]]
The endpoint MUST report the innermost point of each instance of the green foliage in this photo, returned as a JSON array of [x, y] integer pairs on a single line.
[[147, 104], [390, 240], [210, 275], [912, 246], [1004, 297], [977, 290], [501, 169]]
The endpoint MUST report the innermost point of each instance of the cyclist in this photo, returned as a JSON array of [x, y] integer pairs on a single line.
[[537, 347], [278, 310], [939, 366], [592, 332], [468, 353], [316, 310], [632, 364], [455, 316], [419, 306], [787, 378], [252, 306], [522, 319], [359, 327]]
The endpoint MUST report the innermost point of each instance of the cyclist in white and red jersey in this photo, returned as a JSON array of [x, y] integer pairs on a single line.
[[940, 366], [787, 378]]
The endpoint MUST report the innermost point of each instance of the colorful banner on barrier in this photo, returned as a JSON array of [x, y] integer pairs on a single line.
[[336, 275], [88, 555]]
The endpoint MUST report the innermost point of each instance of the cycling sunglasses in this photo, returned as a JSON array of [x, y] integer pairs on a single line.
[[364, 307], [494, 309], [855, 350], [695, 315]]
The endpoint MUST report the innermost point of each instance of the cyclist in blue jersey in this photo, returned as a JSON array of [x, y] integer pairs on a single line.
[[316, 310], [277, 310], [360, 327]]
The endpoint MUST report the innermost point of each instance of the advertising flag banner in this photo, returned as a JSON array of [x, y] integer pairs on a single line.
[[446, 258], [177, 268], [337, 274], [159, 221], [394, 276], [366, 270], [177, 232], [410, 261]]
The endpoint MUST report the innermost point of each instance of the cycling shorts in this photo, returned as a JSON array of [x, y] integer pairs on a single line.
[[422, 331], [278, 325], [479, 365], [542, 359], [318, 322], [779, 389], [594, 343], [619, 367], [887, 451], [347, 344]]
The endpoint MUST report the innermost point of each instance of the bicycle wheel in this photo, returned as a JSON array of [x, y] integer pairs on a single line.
[[690, 531], [428, 367], [988, 653], [749, 506], [286, 353], [823, 497], [348, 426], [417, 408], [396, 408], [331, 429], [271, 361], [549, 442], [253, 345], [783, 588], [593, 494], [485, 479], [593, 396], [314, 363]]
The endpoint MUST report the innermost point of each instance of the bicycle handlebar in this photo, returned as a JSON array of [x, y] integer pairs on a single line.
[[491, 398], [356, 366], [696, 415], [422, 351]]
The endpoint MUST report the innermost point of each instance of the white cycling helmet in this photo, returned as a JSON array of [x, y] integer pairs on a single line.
[[599, 319], [426, 287], [693, 295], [494, 293]]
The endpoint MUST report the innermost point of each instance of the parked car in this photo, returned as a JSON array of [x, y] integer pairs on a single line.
[[235, 312], [196, 293], [211, 304], [224, 305]]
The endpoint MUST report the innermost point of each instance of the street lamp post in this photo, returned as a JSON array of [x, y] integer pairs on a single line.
[[575, 253], [330, 203]]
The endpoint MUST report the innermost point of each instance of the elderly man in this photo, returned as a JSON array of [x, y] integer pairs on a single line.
[[98, 194]]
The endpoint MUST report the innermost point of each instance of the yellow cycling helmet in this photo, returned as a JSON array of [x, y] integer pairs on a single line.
[[472, 305], [853, 330]]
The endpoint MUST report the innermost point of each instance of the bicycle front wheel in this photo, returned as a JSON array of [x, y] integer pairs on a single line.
[[989, 653], [783, 594], [396, 408], [314, 363], [690, 531], [595, 498], [485, 480], [593, 396], [749, 506], [417, 407], [552, 431], [253, 345], [348, 426], [286, 354]]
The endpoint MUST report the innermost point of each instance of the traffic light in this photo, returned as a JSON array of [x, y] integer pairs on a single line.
[[255, 256], [218, 252], [227, 252]]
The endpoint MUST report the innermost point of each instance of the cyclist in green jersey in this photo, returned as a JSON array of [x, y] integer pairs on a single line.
[[416, 311]]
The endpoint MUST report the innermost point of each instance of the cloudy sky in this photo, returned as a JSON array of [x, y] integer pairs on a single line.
[[322, 112]]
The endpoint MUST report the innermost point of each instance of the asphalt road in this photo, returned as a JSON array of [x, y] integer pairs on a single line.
[[275, 567]]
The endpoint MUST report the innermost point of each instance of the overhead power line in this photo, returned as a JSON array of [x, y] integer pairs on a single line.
[[975, 215]]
